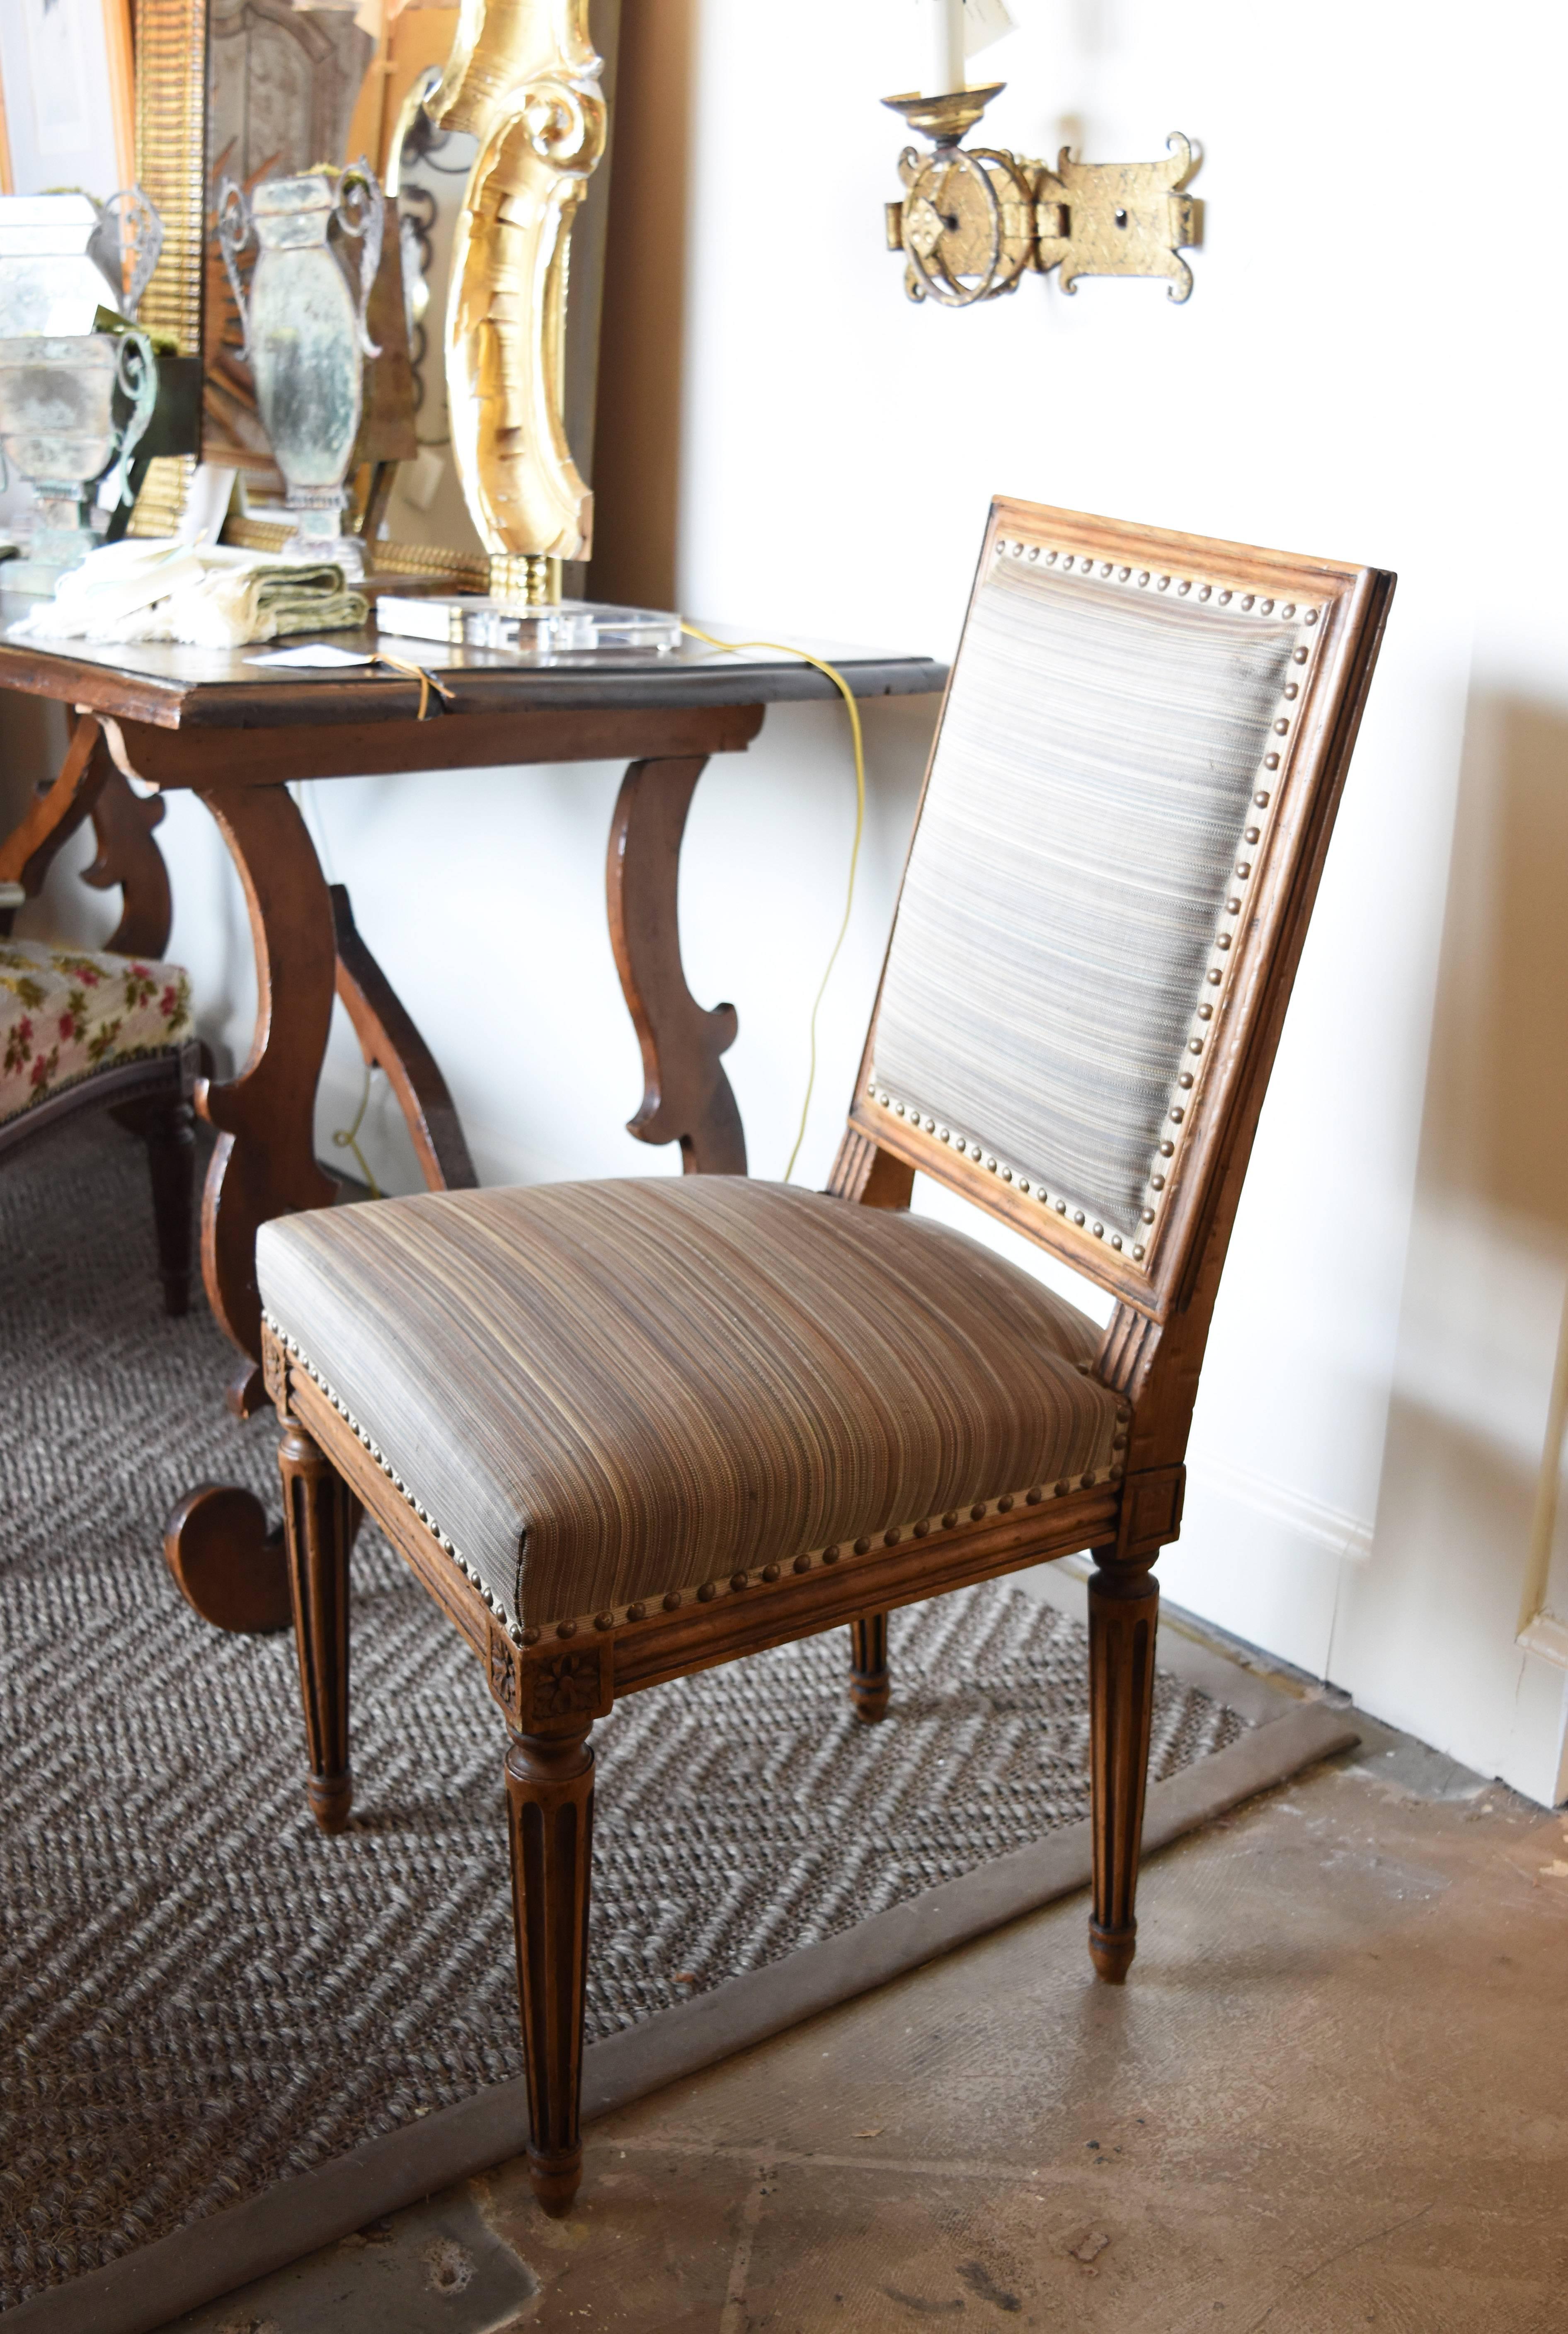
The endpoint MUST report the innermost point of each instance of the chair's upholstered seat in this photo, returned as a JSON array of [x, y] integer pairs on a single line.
[[596, 1392], [65, 1012]]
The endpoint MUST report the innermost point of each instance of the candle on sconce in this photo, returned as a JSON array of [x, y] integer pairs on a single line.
[[936, 64]]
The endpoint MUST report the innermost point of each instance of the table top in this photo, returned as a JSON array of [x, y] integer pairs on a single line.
[[220, 689]]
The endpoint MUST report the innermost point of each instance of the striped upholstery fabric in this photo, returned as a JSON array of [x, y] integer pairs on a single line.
[[598, 1392], [1089, 792]]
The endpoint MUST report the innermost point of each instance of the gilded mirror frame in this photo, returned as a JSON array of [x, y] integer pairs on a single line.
[[523, 78]]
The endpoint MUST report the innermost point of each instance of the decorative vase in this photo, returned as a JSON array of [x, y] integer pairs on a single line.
[[305, 338], [71, 407], [64, 257]]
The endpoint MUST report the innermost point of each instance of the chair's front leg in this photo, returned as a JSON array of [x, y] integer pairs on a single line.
[[550, 1800], [1123, 1609], [320, 1516], [869, 1686]]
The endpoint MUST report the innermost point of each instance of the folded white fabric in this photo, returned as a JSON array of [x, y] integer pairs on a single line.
[[204, 595]]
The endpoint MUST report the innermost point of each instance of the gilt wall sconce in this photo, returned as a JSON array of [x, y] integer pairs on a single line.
[[974, 219]]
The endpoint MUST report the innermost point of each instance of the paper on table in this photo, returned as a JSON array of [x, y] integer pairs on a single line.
[[315, 653]]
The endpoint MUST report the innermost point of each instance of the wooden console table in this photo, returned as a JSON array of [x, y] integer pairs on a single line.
[[236, 735]]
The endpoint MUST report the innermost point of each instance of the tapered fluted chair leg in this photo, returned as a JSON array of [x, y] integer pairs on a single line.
[[320, 1517], [869, 1686], [550, 1801], [1123, 1609]]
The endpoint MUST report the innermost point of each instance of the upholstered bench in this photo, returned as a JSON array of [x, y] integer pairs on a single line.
[[84, 1030]]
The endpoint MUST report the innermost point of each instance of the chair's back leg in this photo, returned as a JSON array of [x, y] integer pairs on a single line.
[[1123, 1609], [168, 1130], [170, 1138], [550, 1799], [868, 1683], [320, 1516]]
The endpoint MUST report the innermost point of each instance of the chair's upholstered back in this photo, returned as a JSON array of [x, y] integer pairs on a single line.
[[1055, 946]]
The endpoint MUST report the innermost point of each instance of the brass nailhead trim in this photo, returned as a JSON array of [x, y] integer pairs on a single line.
[[291, 1345], [673, 1599]]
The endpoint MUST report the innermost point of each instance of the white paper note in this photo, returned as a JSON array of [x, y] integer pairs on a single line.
[[314, 655]]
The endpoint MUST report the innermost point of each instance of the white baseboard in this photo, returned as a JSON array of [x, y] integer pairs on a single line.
[[1547, 1635], [1332, 1529]]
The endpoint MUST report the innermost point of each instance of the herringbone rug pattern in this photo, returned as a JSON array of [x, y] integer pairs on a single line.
[[199, 1994]]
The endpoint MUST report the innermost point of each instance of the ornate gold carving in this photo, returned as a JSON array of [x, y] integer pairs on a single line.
[[974, 219], [523, 79], [1121, 218]]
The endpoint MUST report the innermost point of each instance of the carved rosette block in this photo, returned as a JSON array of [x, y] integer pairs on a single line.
[[523, 79], [554, 1687]]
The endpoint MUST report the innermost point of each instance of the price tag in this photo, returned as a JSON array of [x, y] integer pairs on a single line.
[[984, 21]]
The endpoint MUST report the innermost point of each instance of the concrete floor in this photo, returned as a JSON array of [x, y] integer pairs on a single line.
[[1333, 2094]]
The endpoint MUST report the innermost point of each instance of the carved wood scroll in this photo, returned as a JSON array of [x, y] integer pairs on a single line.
[[523, 79]]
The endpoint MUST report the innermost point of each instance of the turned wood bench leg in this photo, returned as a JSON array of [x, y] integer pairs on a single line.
[[168, 1130], [868, 1683], [550, 1803], [321, 1515], [1123, 1610]]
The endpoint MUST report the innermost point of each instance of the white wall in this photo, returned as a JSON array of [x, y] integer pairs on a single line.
[[1350, 377], [1367, 368]]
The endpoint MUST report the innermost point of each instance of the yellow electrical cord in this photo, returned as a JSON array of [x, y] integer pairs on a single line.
[[427, 681], [346, 1138], [782, 648]]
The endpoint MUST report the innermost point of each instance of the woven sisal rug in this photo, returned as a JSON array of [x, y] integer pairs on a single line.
[[199, 1994]]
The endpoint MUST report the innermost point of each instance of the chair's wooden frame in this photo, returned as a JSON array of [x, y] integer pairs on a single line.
[[151, 1095], [553, 1684]]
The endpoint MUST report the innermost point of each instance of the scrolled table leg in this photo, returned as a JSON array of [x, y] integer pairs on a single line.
[[265, 1163], [687, 1097], [228, 1561]]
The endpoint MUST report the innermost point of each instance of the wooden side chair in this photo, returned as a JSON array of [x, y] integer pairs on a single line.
[[624, 1430], [89, 1030]]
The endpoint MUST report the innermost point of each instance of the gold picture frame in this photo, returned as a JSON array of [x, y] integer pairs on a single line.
[[523, 77]]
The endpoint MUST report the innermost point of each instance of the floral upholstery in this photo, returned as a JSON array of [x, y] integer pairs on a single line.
[[66, 1012]]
